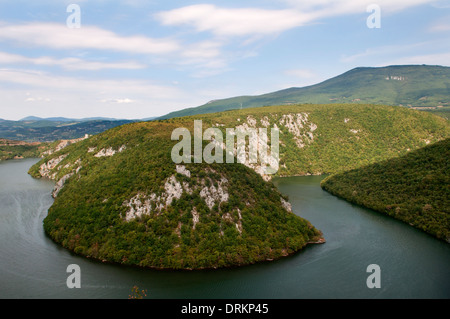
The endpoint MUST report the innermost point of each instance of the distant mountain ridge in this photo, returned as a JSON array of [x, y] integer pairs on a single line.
[[65, 119], [49, 130], [418, 86], [38, 129], [423, 87]]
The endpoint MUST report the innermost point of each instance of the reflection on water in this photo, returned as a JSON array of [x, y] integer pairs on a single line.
[[413, 264]]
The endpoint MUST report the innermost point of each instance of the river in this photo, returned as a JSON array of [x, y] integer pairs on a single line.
[[412, 263]]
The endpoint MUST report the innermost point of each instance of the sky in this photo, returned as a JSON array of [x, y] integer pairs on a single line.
[[138, 59]]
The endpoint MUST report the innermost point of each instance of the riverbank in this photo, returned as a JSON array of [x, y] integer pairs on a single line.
[[411, 188], [356, 237]]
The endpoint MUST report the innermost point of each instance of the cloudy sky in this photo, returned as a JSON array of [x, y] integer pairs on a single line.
[[137, 59]]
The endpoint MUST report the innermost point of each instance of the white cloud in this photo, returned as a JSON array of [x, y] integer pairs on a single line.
[[31, 92], [35, 79], [37, 99], [261, 22], [233, 22], [59, 36], [67, 63], [203, 59], [325, 8], [118, 101], [202, 50], [202, 54]]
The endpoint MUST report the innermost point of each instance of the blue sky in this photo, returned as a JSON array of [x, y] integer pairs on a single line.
[[138, 59]]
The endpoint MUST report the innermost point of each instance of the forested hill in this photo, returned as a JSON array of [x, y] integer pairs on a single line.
[[422, 86], [326, 139], [119, 196], [414, 188]]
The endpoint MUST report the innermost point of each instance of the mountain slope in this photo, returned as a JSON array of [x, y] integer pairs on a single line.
[[329, 138], [409, 85], [413, 188], [120, 197]]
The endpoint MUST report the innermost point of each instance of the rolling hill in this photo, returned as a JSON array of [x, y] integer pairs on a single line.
[[421, 86]]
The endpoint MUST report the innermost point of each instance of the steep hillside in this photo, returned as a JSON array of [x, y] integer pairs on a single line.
[[414, 188], [325, 139], [406, 85], [120, 197]]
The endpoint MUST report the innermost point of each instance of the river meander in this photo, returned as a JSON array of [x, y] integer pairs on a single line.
[[412, 263]]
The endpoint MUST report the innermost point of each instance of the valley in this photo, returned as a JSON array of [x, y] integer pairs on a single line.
[[119, 189]]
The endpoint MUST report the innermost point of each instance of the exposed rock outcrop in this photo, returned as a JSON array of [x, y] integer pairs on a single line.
[[143, 204], [300, 126], [46, 169], [60, 184], [109, 151]]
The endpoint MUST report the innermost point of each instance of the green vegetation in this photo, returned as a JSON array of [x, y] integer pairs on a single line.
[[89, 215], [137, 293], [414, 188], [10, 149], [336, 137], [125, 201], [42, 130], [406, 85]]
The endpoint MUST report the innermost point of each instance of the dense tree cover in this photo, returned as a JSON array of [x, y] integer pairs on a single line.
[[10, 149], [87, 216], [347, 136], [414, 188]]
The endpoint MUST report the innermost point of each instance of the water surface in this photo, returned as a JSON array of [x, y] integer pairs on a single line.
[[413, 264]]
